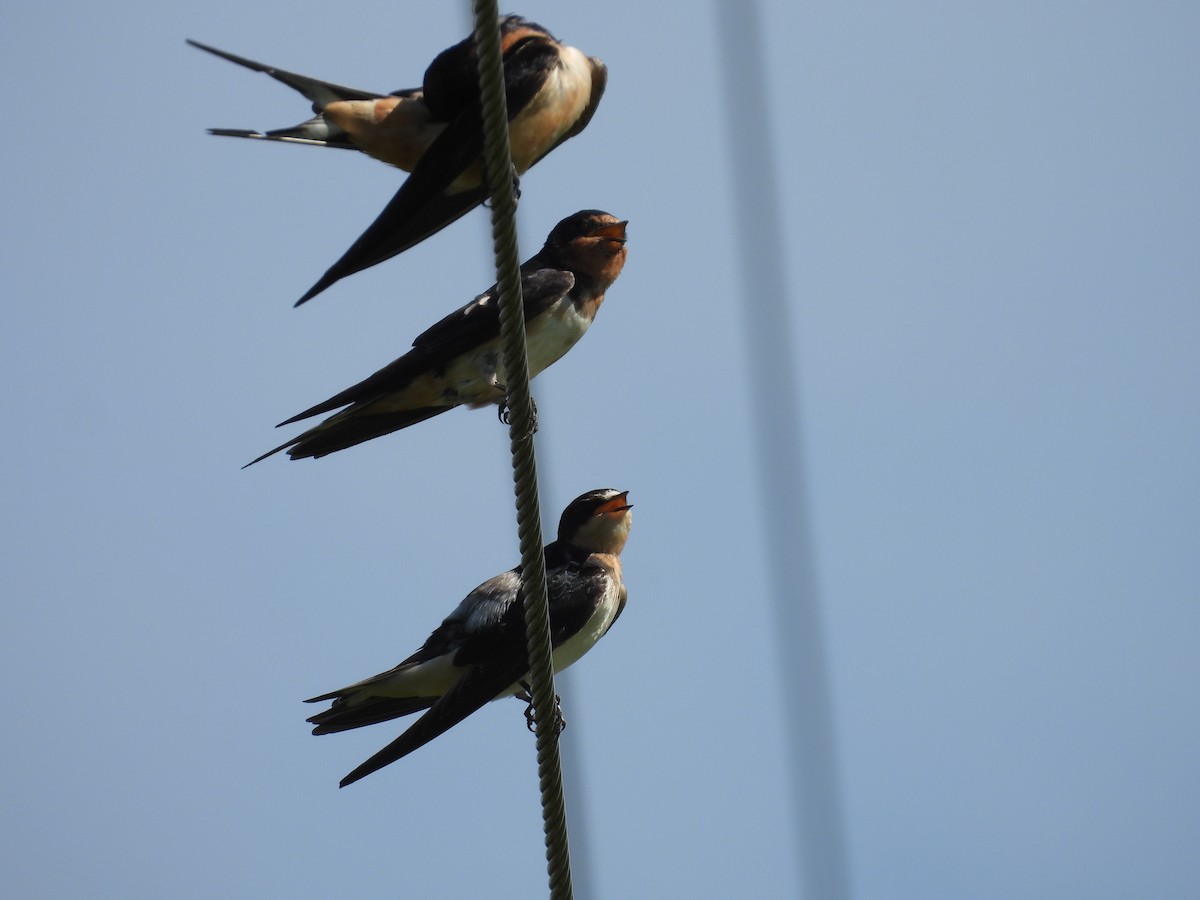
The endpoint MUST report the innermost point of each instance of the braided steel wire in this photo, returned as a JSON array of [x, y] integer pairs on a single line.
[[514, 356]]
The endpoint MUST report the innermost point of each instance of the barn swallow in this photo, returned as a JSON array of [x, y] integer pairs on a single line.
[[478, 653], [457, 361], [435, 132]]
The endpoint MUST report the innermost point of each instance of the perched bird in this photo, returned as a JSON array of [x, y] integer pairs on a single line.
[[457, 361], [478, 653], [436, 131]]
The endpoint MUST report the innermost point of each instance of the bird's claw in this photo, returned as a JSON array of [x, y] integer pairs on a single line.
[[504, 413], [531, 716]]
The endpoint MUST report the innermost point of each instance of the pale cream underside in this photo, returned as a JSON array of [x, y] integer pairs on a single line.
[[472, 378], [435, 677]]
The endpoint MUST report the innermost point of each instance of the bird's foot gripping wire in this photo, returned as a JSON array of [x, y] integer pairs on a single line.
[[531, 715], [505, 415], [516, 190]]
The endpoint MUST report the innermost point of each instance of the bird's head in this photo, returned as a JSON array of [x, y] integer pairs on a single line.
[[591, 243], [597, 521]]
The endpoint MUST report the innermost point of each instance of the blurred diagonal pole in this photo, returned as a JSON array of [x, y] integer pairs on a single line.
[[775, 407], [514, 356]]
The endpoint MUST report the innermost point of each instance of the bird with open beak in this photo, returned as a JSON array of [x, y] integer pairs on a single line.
[[457, 361], [478, 653]]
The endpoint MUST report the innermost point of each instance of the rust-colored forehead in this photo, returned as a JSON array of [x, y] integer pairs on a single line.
[[509, 38]]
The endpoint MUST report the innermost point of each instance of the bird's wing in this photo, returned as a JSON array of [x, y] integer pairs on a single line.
[[425, 203]]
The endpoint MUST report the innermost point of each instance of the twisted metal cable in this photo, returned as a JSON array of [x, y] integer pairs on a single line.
[[514, 356]]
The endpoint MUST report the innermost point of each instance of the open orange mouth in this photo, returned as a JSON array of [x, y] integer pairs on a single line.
[[614, 231], [616, 505]]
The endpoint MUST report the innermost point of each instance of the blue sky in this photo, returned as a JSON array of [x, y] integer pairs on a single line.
[[991, 217]]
